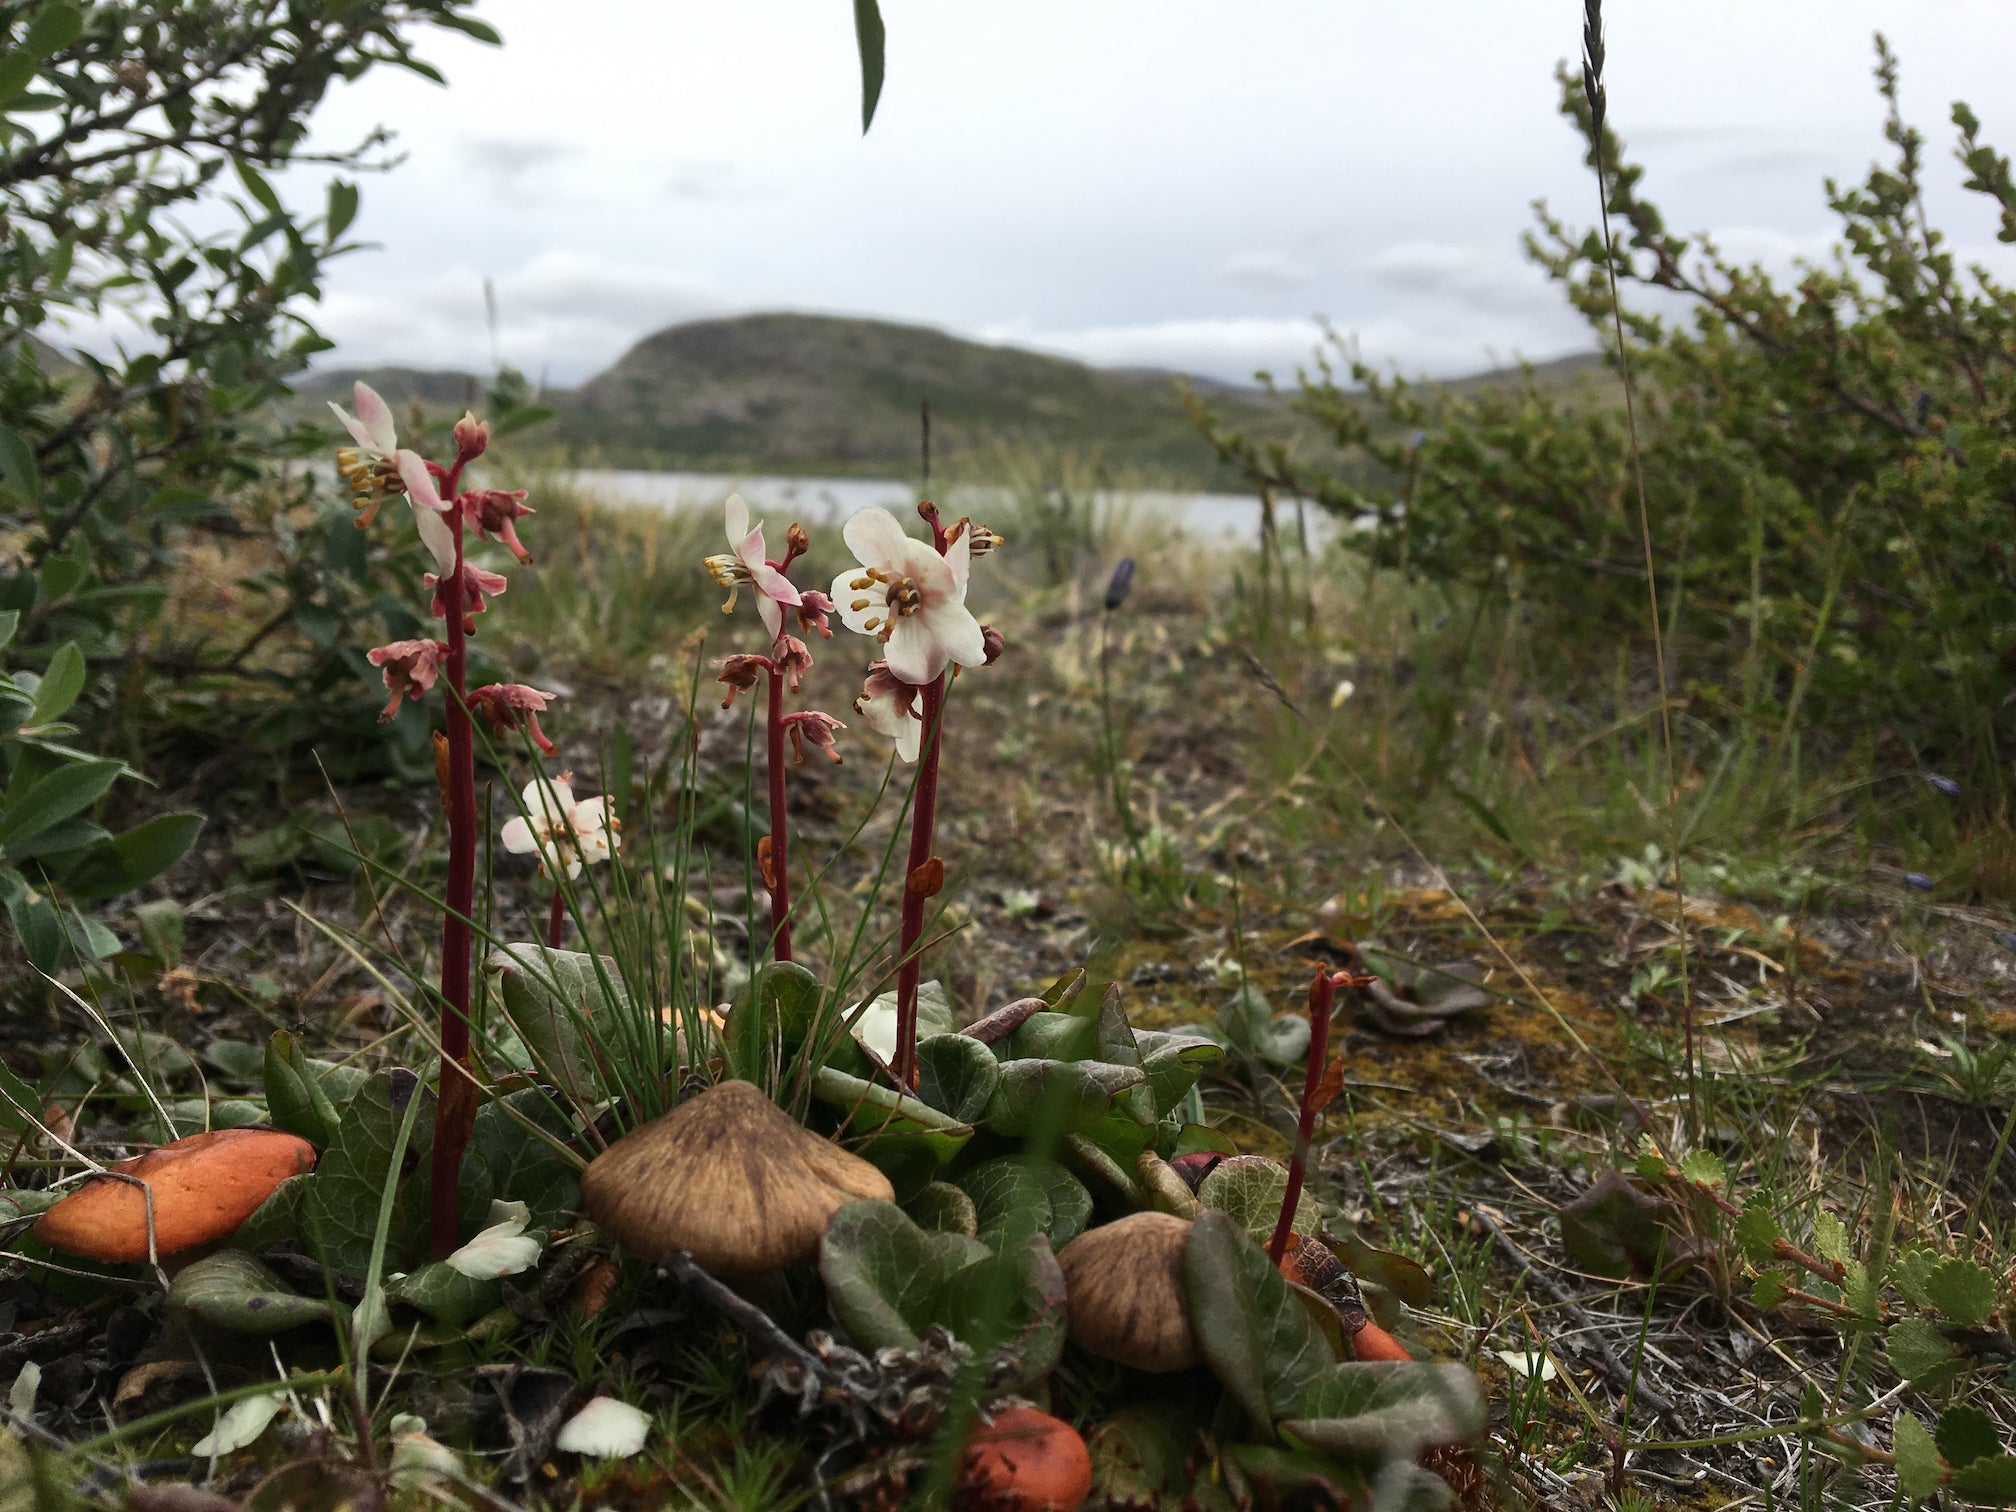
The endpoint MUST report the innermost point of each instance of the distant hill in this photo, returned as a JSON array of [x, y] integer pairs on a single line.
[[814, 393]]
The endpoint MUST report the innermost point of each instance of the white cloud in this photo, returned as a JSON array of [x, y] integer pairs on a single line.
[[1231, 348], [1265, 272], [562, 314]]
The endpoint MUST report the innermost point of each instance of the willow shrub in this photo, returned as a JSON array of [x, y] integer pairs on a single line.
[[1829, 469]]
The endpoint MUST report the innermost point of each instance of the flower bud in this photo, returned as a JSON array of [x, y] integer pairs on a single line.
[[796, 541], [472, 437], [995, 643], [1120, 584]]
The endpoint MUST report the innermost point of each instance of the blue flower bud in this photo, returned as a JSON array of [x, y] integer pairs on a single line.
[[1945, 785], [1120, 584], [1918, 882]]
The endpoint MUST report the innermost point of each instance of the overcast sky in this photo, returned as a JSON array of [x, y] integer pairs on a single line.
[[1178, 183]]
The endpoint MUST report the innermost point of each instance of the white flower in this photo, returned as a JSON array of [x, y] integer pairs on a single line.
[[909, 598], [566, 833], [502, 1249], [745, 563], [605, 1427]]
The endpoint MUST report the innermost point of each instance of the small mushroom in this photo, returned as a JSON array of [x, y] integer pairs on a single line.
[[728, 1177], [203, 1188], [1127, 1301], [1025, 1461]]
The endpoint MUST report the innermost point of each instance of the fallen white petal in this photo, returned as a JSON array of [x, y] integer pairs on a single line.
[[21, 1395], [503, 1250], [876, 1028], [1527, 1365], [417, 1457], [242, 1423], [605, 1427]]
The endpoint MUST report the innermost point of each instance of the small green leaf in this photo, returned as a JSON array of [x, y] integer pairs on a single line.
[[1991, 1480], [1965, 1434], [232, 1290], [445, 1294], [1917, 1350], [1009, 1203], [256, 186], [1769, 1289], [882, 1273], [340, 1208], [1704, 1167], [1860, 1291], [1962, 1290], [482, 31], [294, 1095], [342, 207], [877, 1114], [1250, 1327], [1070, 1096], [1830, 1238], [55, 797], [1918, 1466], [942, 1208], [1387, 1411], [956, 1075], [1250, 1190], [1757, 1231], [54, 28], [60, 685], [870, 39]]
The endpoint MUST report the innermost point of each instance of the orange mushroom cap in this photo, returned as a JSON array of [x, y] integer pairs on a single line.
[[1025, 1461], [204, 1187]]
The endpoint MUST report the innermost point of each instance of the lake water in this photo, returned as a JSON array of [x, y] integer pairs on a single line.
[[1205, 516]]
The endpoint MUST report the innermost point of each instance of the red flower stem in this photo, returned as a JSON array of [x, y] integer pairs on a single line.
[[780, 887], [1322, 992], [556, 917], [922, 822], [456, 1111]]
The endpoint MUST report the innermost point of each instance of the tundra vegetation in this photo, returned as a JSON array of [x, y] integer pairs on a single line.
[[1506, 1008]]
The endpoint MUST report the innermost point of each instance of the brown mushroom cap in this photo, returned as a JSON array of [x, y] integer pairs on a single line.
[[203, 1186], [730, 1178], [1127, 1299]]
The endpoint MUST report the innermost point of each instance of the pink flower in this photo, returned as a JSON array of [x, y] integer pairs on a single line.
[[475, 583], [889, 706], [492, 510], [435, 532], [746, 564], [509, 705], [909, 598], [793, 659], [411, 667], [813, 607], [567, 834], [815, 727]]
